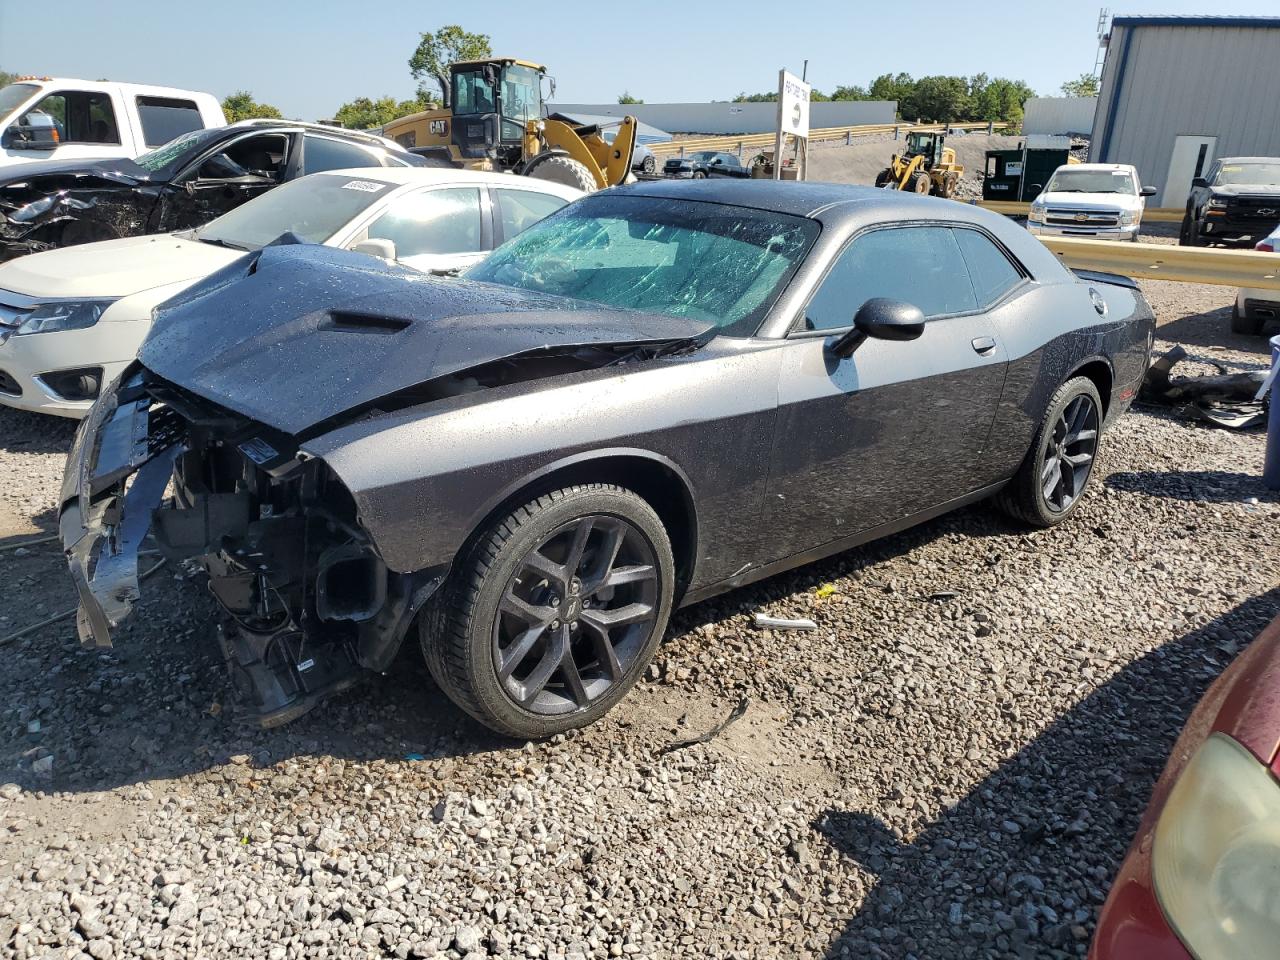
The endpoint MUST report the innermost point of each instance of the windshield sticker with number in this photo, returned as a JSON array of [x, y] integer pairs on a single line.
[[367, 186]]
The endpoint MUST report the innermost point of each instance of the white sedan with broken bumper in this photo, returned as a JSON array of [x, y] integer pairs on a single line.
[[72, 319]]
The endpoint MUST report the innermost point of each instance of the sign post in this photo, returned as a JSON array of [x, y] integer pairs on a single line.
[[793, 116]]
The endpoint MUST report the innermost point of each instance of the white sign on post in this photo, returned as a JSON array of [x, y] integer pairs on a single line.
[[793, 115]]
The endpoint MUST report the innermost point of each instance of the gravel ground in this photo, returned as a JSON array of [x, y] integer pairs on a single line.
[[952, 765]]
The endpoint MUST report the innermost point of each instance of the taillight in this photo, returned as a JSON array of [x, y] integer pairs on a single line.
[[1266, 246]]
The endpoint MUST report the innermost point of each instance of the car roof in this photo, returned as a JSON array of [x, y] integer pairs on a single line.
[[1096, 166], [415, 176], [135, 88], [1249, 159], [832, 201]]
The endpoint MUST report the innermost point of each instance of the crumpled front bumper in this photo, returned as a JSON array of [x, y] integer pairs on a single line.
[[116, 476]]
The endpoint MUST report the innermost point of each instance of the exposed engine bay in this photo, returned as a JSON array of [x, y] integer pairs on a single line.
[[309, 604]]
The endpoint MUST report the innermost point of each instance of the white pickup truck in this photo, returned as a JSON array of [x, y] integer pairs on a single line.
[[1103, 201], [48, 118]]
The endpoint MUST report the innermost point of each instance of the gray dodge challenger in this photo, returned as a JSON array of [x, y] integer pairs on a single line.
[[660, 393]]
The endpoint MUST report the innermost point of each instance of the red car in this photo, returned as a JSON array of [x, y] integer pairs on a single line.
[[1202, 878]]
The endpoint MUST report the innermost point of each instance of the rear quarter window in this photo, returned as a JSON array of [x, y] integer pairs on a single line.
[[164, 118], [991, 271]]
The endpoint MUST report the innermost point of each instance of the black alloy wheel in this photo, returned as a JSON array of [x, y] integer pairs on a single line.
[[1068, 459], [553, 611], [576, 614], [1051, 481]]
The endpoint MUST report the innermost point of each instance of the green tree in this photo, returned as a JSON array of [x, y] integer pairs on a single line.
[[998, 99], [1086, 85], [364, 114], [626, 97], [6, 78], [850, 93], [430, 61], [890, 86], [241, 106], [936, 100], [745, 97]]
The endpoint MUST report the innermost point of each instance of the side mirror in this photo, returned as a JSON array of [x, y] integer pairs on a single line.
[[374, 247], [717, 160], [884, 319], [34, 134], [1147, 192], [1037, 187], [1199, 182]]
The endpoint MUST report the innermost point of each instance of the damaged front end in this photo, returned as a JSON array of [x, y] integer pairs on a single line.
[[309, 603]]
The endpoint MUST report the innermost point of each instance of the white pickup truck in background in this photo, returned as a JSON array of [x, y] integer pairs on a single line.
[[55, 118], [1102, 201]]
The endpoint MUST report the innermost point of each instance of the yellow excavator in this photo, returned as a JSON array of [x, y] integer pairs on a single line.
[[494, 121], [925, 166]]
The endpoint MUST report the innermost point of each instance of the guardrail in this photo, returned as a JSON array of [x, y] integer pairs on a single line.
[[731, 143], [1228, 268], [1015, 208]]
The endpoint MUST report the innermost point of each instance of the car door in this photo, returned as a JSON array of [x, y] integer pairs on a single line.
[[89, 124], [515, 210], [439, 228], [227, 175], [898, 427]]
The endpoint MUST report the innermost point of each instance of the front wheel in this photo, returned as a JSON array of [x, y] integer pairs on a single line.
[[699, 175], [649, 165], [1243, 324], [1049, 485], [554, 612]]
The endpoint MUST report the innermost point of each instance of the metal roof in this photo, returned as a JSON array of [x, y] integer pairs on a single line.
[[1191, 20]]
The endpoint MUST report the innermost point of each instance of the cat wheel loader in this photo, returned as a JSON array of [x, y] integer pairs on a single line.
[[494, 121], [925, 166]]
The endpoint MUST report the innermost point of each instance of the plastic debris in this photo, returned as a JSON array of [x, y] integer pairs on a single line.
[[781, 623]]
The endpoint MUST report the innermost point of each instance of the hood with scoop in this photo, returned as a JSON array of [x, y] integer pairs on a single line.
[[295, 336]]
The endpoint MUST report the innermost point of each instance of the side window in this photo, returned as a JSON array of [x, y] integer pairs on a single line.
[[520, 209], [992, 273], [79, 117], [432, 222], [164, 118], [321, 153], [919, 265], [261, 156]]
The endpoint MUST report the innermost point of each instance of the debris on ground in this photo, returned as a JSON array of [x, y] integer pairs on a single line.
[[783, 623], [737, 714], [1224, 399]]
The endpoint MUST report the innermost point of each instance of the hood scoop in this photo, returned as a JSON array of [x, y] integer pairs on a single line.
[[297, 336]]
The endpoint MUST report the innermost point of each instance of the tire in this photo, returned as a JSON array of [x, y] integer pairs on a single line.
[[1024, 498], [884, 178], [649, 166], [699, 175], [1184, 231], [919, 183], [565, 170], [510, 594], [1244, 325]]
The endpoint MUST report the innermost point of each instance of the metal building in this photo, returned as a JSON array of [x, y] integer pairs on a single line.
[[1179, 91]]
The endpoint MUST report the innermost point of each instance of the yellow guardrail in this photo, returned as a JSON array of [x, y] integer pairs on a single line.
[[735, 143], [1015, 208], [1228, 268]]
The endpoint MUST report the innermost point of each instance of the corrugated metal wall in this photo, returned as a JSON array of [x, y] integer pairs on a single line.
[[1058, 114], [712, 118], [1163, 78]]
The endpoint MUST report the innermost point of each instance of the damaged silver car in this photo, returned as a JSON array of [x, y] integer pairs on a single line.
[[657, 394]]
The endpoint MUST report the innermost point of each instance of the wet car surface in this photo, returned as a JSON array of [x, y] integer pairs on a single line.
[[653, 396]]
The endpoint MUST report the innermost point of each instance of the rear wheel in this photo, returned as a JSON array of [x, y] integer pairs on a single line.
[[553, 613], [565, 170], [699, 175], [1245, 325], [649, 165], [1049, 485]]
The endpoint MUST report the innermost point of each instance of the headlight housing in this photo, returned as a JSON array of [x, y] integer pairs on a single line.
[[62, 315], [1035, 214], [1216, 859], [1130, 218], [1217, 202]]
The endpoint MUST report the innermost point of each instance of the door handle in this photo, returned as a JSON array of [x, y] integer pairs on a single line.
[[984, 345]]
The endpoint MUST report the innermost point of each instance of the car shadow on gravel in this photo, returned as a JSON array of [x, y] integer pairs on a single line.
[[1020, 865], [1198, 486], [1212, 329], [35, 433]]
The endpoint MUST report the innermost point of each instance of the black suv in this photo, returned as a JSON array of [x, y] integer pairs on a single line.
[[186, 183], [705, 163], [1236, 201]]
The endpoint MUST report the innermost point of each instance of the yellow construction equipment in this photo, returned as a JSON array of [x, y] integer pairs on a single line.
[[925, 166], [494, 121]]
